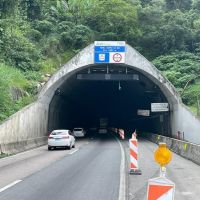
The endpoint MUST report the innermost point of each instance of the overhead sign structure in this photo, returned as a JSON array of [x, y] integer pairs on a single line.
[[160, 189], [143, 112], [108, 77], [109, 52], [159, 107]]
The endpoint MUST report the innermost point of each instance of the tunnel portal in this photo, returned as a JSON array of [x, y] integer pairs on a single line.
[[83, 91], [115, 92]]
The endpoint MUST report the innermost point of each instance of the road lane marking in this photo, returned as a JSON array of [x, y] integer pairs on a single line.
[[10, 185], [186, 193], [122, 184], [73, 151]]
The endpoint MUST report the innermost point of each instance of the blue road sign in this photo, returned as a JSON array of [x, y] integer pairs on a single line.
[[109, 52]]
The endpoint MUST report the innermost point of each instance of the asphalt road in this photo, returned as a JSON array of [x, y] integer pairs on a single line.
[[91, 173], [24, 164], [184, 173]]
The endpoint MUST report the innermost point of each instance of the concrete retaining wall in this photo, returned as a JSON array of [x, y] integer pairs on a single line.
[[186, 123], [185, 149], [23, 145], [25, 129]]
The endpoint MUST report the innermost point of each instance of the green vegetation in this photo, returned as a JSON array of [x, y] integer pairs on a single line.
[[3, 155], [38, 36], [13, 85], [183, 70]]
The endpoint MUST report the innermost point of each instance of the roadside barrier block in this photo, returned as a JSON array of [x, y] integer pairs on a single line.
[[134, 167]]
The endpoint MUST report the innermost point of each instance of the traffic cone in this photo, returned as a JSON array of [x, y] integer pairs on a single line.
[[134, 168]]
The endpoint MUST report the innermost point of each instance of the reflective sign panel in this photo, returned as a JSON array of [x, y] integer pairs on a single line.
[[159, 107], [109, 52], [143, 112]]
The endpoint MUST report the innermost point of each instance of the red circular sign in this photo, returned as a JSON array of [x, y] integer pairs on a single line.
[[117, 57]]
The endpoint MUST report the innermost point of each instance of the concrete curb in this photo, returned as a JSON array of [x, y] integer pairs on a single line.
[[185, 149], [23, 145]]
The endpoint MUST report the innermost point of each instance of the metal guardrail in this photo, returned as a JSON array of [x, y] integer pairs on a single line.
[[185, 149]]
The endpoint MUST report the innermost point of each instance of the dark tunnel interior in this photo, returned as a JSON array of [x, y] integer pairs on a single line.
[[108, 91]]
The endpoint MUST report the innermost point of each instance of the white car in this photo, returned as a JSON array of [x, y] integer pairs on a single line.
[[79, 132], [61, 138]]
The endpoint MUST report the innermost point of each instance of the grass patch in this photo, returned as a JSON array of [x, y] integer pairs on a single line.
[[51, 65], [193, 109], [3, 155], [26, 81], [12, 78]]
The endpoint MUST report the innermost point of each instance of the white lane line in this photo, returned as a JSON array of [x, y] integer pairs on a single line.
[[122, 186], [10, 185], [73, 151]]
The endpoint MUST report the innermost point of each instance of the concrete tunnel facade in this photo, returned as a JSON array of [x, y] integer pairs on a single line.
[[66, 102]]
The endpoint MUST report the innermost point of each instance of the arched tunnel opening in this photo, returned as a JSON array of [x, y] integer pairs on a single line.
[[115, 92]]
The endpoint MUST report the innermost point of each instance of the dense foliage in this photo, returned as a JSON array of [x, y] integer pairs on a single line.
[[37, 34]]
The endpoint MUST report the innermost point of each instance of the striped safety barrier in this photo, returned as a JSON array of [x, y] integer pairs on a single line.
[[134, 168], [121, 133], [134, 135]]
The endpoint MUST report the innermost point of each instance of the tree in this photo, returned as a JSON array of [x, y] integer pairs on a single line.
[[145, 2], [196, 5], [116, 17], [178, 4]]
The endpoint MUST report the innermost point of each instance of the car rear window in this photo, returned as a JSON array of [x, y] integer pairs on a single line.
[[78, 129], [59, 133]]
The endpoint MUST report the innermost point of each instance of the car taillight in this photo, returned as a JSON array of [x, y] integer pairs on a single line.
[[65, 137], [50, 137]]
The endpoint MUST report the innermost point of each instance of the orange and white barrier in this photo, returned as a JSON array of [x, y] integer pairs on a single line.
[[160, 189], [121, 133], [134, 135], [134, 168]]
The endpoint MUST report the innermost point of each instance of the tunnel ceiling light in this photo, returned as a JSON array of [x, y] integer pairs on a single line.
[[150, 91], [120, 88]]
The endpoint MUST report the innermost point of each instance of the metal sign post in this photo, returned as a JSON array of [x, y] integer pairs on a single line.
[[161, 188]]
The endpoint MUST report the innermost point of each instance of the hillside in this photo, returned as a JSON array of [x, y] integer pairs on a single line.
[[38, 36]]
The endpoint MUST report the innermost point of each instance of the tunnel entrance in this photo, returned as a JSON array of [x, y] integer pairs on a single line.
[[112, 91]]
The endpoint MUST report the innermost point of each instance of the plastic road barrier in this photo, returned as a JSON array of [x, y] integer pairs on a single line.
[[134, 168], [121, 133]]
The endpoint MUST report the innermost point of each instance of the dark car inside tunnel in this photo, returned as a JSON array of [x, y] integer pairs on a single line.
[[114, 92]]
